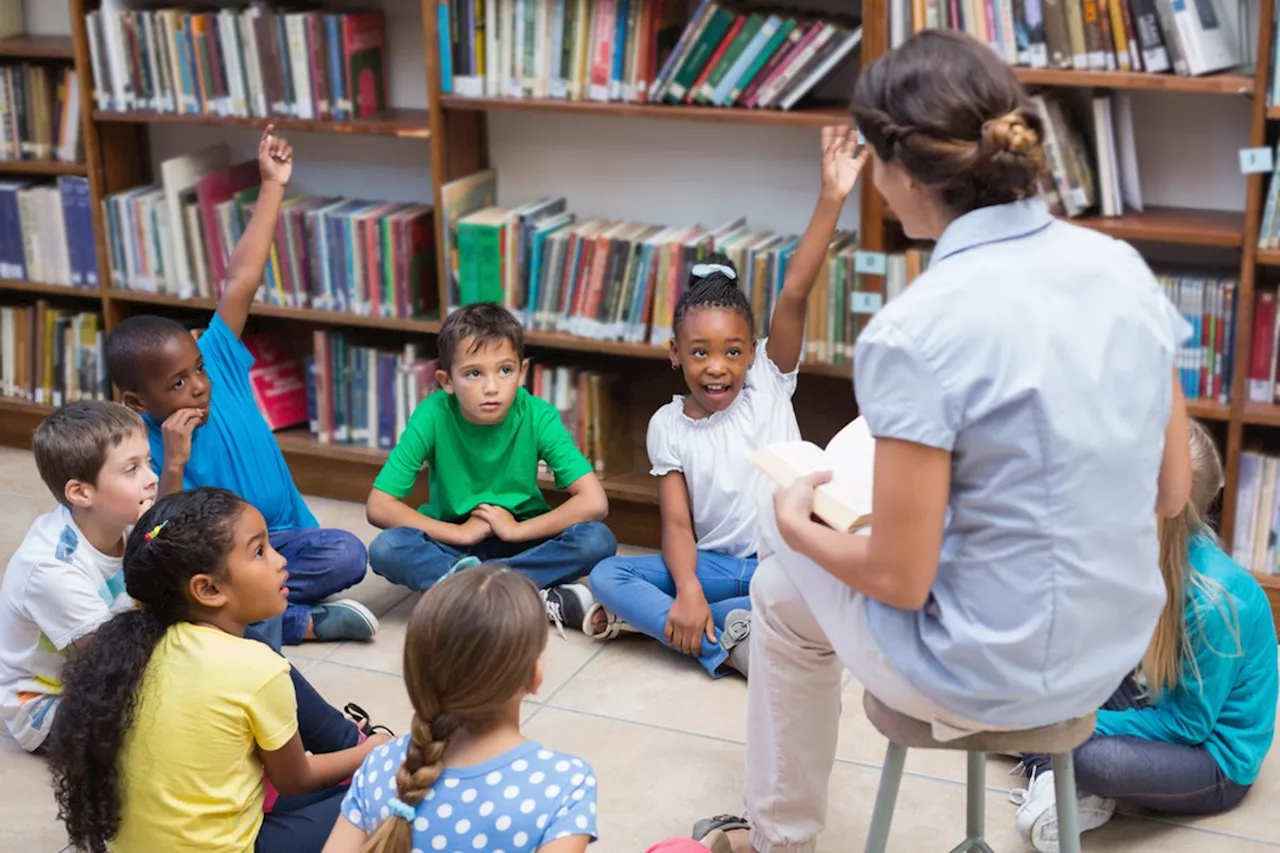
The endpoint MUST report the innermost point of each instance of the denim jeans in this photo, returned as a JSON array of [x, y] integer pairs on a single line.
[[408, 556], [321, 562], [300, 824], [641, 591], [1163, 777]]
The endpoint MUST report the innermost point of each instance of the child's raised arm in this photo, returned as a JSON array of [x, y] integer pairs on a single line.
[[249, 259], [840, 170]]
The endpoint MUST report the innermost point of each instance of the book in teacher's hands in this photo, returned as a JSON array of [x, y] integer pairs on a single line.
[[844, 504]]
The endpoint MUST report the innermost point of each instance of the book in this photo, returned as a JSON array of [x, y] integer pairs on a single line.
[[51, 356], [257, 62], [844, 503], [279, 387]]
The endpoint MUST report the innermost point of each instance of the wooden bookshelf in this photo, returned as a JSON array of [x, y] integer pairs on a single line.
[[38, 47], [403, 123], [806, 117], [11, 285], [1267, 257], [1214, 84], [1174, 225], [41, 167]]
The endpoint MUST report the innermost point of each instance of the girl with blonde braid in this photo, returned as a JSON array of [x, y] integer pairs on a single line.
[[465, 778]]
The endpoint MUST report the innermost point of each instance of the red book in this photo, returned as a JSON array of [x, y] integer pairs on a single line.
[[716, 56], [1264, 321], [213, 189], [364, 55], [606, 25], [278, 385]]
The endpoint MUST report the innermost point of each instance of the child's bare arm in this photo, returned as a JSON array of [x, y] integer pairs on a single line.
[[249, 259], [690, 616], [345, 838], [840, 171], [294, 772], [587, 502]]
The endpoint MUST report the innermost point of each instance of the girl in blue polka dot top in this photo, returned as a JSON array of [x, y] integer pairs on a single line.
[[464, 779]]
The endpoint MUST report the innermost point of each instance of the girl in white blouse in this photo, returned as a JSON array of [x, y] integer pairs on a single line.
[[694, 597]]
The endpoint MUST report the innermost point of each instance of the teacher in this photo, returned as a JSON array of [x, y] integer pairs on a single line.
[[1029, 429]]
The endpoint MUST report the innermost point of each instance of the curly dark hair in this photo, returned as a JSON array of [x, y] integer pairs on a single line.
[[713, 290], [100, 683]]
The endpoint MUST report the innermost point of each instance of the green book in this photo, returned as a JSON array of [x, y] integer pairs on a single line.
[[717, 24], [771, 47], [736, 47]]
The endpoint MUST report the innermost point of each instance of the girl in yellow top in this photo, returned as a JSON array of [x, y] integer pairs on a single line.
[[170, 716]]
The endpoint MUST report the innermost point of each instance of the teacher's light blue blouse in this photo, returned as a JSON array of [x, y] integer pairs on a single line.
[[1040, 354]]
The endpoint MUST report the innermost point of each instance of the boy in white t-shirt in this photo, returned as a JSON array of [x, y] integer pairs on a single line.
[[65, 579], [694, 596]]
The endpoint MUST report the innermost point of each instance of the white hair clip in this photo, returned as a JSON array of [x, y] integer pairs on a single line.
[[704, 270]]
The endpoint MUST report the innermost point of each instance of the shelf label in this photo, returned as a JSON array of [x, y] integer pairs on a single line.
[[869, 263], [861, 302], [1256, 160]]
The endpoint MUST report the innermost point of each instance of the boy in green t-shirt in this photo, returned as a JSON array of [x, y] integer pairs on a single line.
[[481, 441]]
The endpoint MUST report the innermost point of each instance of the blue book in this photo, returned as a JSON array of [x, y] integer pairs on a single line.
[[388, 366], [359, 395], [313, 411], [13, 227], [445, 37], [75, 256], [337, 80], [84, 224], [619, 51], [190, 77]]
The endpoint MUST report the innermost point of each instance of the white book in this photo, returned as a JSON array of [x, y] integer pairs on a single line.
[[300, 67], [844, 503], [1206, 37], [178, 175], [848, 42], [101, 80]]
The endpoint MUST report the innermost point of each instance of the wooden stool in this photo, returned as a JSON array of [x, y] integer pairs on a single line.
[[906, 733]]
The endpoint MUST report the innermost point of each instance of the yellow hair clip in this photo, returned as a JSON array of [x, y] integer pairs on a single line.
[[155, 531]]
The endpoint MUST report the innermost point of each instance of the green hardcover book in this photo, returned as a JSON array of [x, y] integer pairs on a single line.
[[480, 255], [771, 47], [717, 24], [739, 44]]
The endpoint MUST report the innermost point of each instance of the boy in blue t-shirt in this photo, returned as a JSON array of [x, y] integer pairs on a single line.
[[205, 428]]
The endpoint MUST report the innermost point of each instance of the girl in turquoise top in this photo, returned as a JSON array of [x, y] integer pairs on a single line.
[[1188, 732]]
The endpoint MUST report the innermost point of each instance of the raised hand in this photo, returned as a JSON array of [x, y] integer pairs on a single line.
[[841, 164], [275, 157]]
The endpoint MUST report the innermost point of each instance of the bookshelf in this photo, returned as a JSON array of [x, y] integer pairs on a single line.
[[455, 133]]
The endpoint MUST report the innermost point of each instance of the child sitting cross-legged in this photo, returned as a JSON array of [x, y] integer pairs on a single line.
[[694, 596], [465, 778], [169, 716], [481, 441], [206, 429], [1188, 732]]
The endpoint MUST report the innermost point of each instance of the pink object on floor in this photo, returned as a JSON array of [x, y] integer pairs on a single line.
[[678, 845]]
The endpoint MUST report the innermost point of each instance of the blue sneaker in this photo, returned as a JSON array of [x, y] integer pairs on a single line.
[[461, 563], [343, 619]]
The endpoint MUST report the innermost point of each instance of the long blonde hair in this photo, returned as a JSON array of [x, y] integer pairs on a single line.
[[470, 649], [1170, 653]]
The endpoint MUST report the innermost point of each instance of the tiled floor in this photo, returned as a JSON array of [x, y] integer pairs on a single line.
[[666, 742]]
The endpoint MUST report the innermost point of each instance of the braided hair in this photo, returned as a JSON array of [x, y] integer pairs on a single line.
[[182, 535], [711, 287], [470, 649]]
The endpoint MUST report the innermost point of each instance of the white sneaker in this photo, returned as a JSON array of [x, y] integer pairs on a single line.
[[1037, 818], [613, 624]]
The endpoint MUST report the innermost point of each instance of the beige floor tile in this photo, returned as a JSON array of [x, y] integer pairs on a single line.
[[28, 814], [386, 652], [381, 694], [640, 680], [18, 511]]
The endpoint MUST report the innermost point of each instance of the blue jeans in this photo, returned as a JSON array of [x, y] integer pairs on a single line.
[[408, 556], [1163, 777], [641, 591], [321, 562]]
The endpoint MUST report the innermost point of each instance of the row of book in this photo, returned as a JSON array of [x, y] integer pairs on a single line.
[[1206, 359], [1257, 522], [638, 51], [46, 232], [240, 62], [331, 254], [40, 113], [1155, 36], [50, 356]]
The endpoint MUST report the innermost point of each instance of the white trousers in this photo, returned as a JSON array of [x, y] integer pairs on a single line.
[[806, 627]]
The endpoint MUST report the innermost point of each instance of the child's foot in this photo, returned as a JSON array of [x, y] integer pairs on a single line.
[[461, 563], [343, 619], [568, 603], [1037, 818], [724, 834], [601, 623], [733, 638]]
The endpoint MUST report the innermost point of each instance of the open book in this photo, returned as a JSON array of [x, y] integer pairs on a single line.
[[845, 502]]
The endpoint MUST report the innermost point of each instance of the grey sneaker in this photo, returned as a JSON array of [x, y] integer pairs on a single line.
[[733, 638], [343, 619]]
